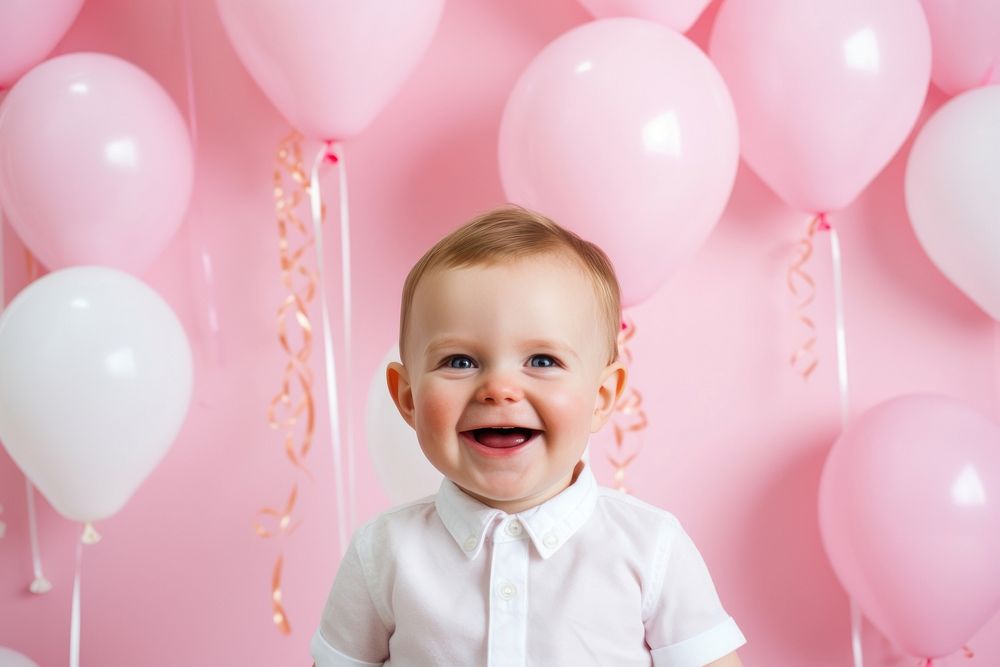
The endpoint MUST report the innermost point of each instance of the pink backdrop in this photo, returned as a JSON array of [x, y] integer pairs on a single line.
[[736, 440]]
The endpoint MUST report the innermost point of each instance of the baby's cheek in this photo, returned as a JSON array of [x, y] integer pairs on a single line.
[[571, 407], [435, 410]]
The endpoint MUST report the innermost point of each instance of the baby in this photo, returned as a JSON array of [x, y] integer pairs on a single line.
[[508, 338]]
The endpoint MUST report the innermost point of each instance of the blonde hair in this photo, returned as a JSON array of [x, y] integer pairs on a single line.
[[511, 232]]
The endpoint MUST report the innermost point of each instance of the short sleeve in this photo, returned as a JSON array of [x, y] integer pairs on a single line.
[[351, 631], [686, 625]]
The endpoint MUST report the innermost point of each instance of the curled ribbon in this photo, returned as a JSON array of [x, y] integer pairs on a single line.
[[628, 416], [292, 410], [804, 357]]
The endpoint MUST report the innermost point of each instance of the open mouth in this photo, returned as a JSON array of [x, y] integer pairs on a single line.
[[502, 438]]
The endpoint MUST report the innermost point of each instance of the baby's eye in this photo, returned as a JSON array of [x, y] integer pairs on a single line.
[[459, 362], [547, 361]]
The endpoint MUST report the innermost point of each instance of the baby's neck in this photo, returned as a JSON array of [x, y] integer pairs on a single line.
[[514, 506]]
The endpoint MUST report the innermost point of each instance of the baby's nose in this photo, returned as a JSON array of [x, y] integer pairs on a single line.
[[499, 388]]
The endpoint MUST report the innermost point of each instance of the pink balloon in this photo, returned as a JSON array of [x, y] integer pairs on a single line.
[[95, 163], [677, 14], [909, 511], [952, 196], [29, 30], [966, 39], [330, 65], [826, 91], [623, 131]]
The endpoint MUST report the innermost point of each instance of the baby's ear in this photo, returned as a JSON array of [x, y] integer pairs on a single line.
[[613, 381], [398, 382]]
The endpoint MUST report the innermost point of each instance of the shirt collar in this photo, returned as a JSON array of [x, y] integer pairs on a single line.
[[549, 525]]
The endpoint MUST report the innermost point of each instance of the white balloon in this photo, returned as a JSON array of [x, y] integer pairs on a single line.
[[96, 383], [953, 193], [11, 658], [400, 465]]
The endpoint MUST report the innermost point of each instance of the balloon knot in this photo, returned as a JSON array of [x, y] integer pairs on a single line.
[[90, 535], [40, 586], [330, 155]]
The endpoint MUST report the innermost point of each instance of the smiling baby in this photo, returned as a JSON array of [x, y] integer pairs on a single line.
[[508, 341]]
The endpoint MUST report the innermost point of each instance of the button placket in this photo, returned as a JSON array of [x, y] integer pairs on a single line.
[[508, 598]]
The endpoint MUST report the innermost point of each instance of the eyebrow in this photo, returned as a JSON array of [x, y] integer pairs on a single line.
[[544, 343]]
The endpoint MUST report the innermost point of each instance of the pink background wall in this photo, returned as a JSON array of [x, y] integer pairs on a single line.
[[736, 440]]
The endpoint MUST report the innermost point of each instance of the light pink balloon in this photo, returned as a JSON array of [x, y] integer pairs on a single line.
[[909, 512], [95, 163], [826, 91], [952, 193], [330, 65], [29, 30], [623, 131], [677, 14], [966, 39]]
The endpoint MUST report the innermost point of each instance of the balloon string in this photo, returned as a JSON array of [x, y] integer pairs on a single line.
[[630, 407], [857, 649], [3, 294], [74, 628], [3, 304], [838, 294], [992, 75], [40, 585], [841, 334], [345, 263], [804, 358], [996, 369], [316, 199], [206, 292], [182, 8], [290, 184]]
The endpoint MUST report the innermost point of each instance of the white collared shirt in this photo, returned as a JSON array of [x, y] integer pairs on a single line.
[[590, 577]]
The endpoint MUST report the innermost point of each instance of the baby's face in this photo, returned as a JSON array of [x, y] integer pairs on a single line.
[[512, 345]]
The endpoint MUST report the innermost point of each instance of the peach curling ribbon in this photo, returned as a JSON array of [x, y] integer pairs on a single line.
[[295, 400], [628, 416]]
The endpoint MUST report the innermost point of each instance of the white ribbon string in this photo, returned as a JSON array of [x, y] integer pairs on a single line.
[[3, 303], [182, 8], [345, 263], [3, 295], [996, 369], [316, 201], [74, 628], [838, 295], [40, 585], [205, 294]]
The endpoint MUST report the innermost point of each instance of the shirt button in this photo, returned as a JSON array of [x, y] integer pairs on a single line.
[[470, 544], [507, 591], [514, 528], [550, 540]]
